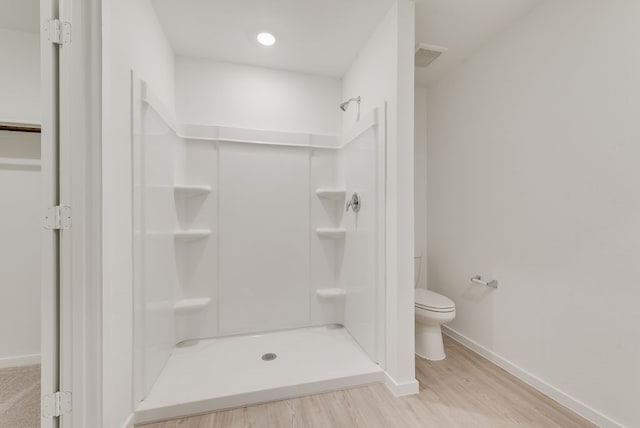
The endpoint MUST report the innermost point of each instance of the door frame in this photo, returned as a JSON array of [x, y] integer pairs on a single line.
[[71, 258], [49, 330]]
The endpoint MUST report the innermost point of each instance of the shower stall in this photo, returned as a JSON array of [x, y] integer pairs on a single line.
[[258, 260]]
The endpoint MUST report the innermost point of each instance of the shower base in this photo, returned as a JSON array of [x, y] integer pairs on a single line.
[[213, 374]]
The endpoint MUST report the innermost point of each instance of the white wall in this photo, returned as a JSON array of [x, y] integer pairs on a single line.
[[420, 186], [19, 77], [532, 179], [132, 39], [19, 249], [20, 204], [383, 72], [217, 93]]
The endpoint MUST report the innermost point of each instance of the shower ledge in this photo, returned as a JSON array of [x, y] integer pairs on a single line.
[[191, 190], [333, 194], [331, 233], [191, 235], [331, 293], [189, 305]]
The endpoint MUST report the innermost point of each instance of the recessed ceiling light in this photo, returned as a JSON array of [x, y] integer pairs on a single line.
[[266, 39]]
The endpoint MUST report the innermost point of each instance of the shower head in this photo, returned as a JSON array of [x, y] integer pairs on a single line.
[[345, 105]]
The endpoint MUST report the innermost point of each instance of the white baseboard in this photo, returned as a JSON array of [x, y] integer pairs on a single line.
[[400, 389], [566, 400], [19, 361]]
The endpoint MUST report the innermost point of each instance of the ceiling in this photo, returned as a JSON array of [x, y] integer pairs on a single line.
[[20, 15], [462, 26], [313, 36]]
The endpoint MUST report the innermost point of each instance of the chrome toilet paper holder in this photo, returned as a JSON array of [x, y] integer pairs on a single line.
[[478, 280]]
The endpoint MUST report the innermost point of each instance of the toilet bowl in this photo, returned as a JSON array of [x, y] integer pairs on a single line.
[[432, 310]]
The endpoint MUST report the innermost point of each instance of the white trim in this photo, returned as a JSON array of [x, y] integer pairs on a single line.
[[381, 238], [225, 134], [19, 361], [401, 389], [530, 379], [80, 292], [218, 133], [138, 92]]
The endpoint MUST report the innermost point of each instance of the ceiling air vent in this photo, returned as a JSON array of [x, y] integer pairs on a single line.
[[426, 54]]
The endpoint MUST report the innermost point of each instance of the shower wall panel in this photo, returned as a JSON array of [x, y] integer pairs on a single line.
[[361, 265], [154, 258], [324, 252], [263, 238], [196, 163]]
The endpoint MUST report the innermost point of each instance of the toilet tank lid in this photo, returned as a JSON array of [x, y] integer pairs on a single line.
[[429, 299]]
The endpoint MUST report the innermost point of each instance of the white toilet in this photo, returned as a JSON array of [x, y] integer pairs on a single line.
[[432, 310]]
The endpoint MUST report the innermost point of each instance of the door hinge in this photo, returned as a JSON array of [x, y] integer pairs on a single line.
[[56, 404], [58, 32], [58, 217]]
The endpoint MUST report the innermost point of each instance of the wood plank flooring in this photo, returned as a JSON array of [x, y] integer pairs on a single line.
[[464, 390], [20, 397]]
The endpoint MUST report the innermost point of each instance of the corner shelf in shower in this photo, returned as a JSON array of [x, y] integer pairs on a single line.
[[332, 194], [189, 305], [190, 190], [331, 233], [191, 235], [331, 293]]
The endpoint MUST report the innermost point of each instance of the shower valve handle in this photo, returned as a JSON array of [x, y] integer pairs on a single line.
[[354, 203]]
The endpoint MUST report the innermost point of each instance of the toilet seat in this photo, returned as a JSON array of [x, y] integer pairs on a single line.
[[434, 302]]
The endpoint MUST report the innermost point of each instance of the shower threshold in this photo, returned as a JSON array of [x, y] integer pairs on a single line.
[[213, 374]]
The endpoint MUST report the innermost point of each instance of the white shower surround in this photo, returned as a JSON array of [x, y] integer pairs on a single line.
[[190, 285], [134, 39], [206, 372]]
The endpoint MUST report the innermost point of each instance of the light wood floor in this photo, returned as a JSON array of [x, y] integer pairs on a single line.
[[20, 397], [464, 390]]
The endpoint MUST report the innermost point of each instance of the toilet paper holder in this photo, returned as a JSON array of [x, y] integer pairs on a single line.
[[478, 280]]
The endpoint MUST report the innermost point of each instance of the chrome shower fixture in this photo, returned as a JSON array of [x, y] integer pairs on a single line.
[[345, 104], [354, 203]]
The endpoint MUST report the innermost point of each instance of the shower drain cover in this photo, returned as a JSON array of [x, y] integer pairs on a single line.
[[269, 357]]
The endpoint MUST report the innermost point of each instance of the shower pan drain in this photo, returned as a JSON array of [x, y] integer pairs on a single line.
[[269, 357]]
